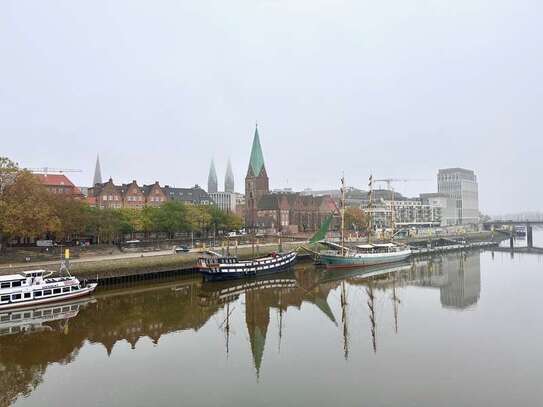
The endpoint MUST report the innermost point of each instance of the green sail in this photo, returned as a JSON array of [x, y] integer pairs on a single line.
[[321, 233]]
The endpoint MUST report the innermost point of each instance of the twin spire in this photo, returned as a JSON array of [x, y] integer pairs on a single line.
[[212, 183]]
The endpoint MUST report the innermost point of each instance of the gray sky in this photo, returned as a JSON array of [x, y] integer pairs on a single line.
[[397, 88]]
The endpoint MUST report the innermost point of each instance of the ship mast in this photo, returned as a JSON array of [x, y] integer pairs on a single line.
[[342, 213], [370, 208], [344, 320]]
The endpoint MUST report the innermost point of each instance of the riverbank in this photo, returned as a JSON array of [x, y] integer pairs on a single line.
[[119, 266], [133, 264]]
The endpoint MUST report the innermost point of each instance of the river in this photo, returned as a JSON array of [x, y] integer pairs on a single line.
[[462, 329]]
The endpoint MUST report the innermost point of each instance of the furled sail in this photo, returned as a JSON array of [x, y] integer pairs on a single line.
[[321, 233]]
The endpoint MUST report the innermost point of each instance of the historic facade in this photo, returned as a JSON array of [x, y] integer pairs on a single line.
[[109, 195], [59, 184], [286, 212]]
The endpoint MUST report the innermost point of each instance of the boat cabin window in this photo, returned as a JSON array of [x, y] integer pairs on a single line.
[[38, 294], [56, 291], [16, 284], [4, 317], [28, 295], [65, 289], [75, 288], [47, 292], [15, 297], [5, 285], [4, 298]]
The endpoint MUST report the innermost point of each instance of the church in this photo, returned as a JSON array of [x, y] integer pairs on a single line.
[[285, 212]]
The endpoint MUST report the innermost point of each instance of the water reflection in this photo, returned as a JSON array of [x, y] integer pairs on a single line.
[[34, 339]]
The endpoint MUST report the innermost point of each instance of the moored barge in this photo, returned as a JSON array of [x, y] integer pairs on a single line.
[[225, 268]]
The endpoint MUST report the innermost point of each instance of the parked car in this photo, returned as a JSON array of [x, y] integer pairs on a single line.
[[181, 249]]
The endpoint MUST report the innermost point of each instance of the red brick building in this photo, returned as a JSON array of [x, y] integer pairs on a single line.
[[284, 212], [59, 184], [109, 195]]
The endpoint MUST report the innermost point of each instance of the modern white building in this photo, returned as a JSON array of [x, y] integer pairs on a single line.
[[460, 185], [226, 201]]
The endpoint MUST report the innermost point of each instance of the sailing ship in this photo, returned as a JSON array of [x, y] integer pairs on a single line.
[[339, 255], [31, 288], [217, 268]]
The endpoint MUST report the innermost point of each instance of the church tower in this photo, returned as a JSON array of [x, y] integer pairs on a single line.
[[256, 181], [212, 179], [229, 178], [97, 172]]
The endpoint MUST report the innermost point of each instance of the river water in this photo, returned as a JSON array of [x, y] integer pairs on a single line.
[[463, 329]]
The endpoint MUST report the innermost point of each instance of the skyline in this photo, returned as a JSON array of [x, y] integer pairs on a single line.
[[355, 87]]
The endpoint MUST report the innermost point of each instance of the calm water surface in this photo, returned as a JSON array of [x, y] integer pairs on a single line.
[[457, 330]]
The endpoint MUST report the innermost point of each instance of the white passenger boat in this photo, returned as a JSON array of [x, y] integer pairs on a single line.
[[31, 288]]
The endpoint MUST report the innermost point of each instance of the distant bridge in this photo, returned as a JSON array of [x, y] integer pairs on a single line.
[[529, 224]]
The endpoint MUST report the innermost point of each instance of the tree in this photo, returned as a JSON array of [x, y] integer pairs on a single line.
[[170, 218], [26, 208], [355, 219], [73, 215], [232, 222], [8, 173]]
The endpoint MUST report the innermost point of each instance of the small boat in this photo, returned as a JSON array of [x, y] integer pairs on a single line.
[[224, 268], [520, 231], [31, 288]]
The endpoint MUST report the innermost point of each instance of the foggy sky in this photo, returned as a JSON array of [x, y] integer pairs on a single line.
[[395, 88]]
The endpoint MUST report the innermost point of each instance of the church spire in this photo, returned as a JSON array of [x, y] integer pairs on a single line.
[[212, 179], [97, 172], [229, 178], [256, 163]]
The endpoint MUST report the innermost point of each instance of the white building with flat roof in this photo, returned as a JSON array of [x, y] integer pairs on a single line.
[[460, 185]]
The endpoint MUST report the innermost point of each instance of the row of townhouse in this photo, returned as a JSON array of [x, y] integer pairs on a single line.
[[109, 195]]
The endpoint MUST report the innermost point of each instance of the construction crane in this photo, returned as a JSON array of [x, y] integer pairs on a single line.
[[389, 182], [47, 170]]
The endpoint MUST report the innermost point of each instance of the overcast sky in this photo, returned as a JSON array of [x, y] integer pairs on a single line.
[[396, 88]]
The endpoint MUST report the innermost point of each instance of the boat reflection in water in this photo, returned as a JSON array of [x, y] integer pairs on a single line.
[[42, 318], [32, 340]]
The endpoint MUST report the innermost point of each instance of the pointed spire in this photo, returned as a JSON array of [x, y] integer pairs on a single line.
[[256, 164], [97, 172], [212, 186], [229, 178]]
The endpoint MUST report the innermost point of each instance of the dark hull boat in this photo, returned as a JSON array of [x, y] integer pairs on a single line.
[[229, 268]]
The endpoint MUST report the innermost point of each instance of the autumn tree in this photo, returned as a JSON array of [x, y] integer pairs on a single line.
[[26, 210], [355, 219]]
